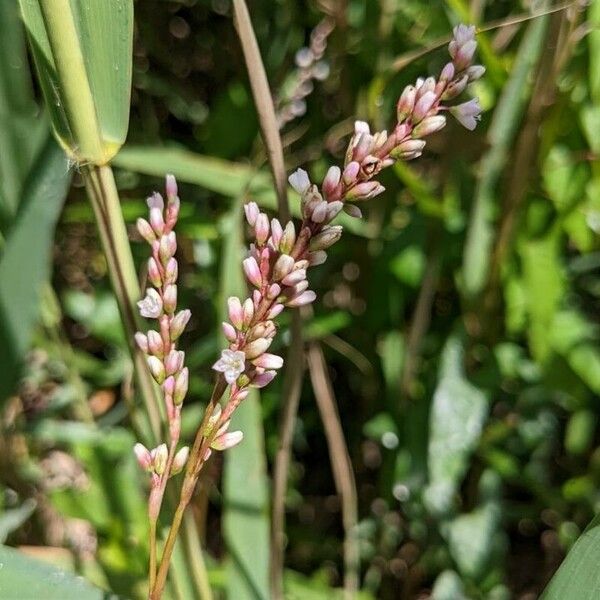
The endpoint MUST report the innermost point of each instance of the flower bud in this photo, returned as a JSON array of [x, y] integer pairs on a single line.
[[327, 237], [406, 103], [319, 212], [331, 182], [288, 239], [260, 380], [276, 309], [464, 55], [236, 313], [252, 271], [475, 72], [157, 220], [168, 385], [154, 273], [257, 347], [155, 343], [145, 230], [142, 341], [276, 232], [180, 460], [283, 265], [447, 72], [333, 210], [423, 106], [317, 258], [171, 271], [294, 277], [178, 324], [157, 368], [143, 456], [181, 386], [429, 125], [155, 201], [229, 331], [252, 211], [160, 455], [268, 361], [353, 211], [302, 299], [299, 181], [227, 440], [248, 311], [170, 299], [174, 361], [261, 228], [167, 247], [171, 186], [351, 172]]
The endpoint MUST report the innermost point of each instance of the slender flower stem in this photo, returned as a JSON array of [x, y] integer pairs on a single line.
[[152, 567]]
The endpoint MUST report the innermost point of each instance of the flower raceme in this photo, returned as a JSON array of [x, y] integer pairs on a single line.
[[280, 256]]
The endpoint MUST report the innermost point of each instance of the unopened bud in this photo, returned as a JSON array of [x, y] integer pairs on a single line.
[[168, 247], [248, 310], [143, 456], [261, 228], [145, 230], [288, 239], [180, 460], [170, 299], [155, 343], [179, 323], [429, 125], [157, 368], [227, 440], [229, 331], [181, 386], [252, 271], [236, 313], [154, 273], [406, 103], [142, 341], [326, 238], [160, 455], [171, 271], [302, 299], [257, 347], [252, 211], [283, 265]]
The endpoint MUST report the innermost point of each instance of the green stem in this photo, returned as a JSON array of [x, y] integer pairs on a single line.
[[102, 192], [70, 67], [152, 567]]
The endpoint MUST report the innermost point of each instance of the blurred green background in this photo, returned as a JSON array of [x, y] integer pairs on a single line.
[[459, 319]]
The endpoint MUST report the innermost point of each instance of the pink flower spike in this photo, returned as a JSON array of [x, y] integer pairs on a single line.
[[143, 456], [227, 440], [252, 271], [229, 331], [268, 361], [303, 299], [236, 313], [262, 379], [299, 181], [252, 211], [467, 113]]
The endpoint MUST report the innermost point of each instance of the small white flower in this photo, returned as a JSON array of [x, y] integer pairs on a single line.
[[151, 306], [467, 113], [361, 127], [299, 181], [232, 364]]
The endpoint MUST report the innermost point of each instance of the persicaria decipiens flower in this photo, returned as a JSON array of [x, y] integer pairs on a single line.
[[278, 260], [165, 362]]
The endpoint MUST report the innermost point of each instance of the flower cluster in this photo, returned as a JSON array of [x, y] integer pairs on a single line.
[[310, 66], [278, 260], [165, 361]]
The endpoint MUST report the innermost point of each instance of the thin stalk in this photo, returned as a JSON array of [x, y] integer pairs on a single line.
[[102, 192], [195, 463], [341, 465], [152, 568], [196, 557]]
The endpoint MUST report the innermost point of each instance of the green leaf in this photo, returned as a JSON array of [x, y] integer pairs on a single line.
[[456, 421], [245, 490], [578, 576], [22, 130], [28, 251], [40, 580], [82, 52]]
